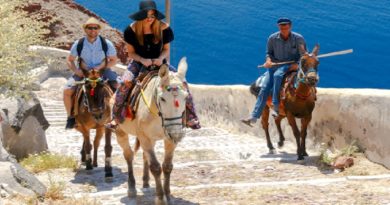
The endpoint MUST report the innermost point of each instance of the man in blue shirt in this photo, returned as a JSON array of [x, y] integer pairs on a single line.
[[93, 55], [282, 46]]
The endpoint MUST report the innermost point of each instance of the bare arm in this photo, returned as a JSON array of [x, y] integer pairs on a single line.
[[133, 55], [70, 62]]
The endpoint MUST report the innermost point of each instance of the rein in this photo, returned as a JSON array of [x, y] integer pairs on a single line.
[[301, 78]]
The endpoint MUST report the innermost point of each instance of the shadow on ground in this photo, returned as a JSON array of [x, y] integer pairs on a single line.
[[96, 178]]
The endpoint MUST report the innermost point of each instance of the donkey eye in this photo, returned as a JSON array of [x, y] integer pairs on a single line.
[[162, 99]]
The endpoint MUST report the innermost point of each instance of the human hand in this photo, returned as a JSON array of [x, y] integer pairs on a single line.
[[146, 62], [157, 61]]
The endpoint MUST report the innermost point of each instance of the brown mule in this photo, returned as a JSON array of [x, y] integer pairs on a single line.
[[93, 111], [296, 102]]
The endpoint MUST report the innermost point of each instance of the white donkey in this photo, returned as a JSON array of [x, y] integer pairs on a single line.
[[160, 116]]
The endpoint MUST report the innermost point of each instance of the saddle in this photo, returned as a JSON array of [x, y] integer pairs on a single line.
[[288, 83], [133, 98], [78, 97]]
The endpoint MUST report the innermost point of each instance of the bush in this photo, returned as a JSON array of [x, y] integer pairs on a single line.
[[17, 32]]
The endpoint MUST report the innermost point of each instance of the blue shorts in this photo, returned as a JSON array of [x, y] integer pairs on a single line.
[[108, 74]]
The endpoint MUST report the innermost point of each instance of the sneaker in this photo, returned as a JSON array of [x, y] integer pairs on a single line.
[[70, 123], [193, 124], [112, 126], [249, 121]]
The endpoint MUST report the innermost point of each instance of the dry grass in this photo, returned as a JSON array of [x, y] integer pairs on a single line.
[[47, 161], [55, 190]]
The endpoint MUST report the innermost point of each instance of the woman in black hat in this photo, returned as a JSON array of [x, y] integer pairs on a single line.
[[148, 39]]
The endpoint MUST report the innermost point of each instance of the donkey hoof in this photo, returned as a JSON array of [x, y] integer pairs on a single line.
[[168, 198], [161, 201], [88, 165], [109, 177], [132, 193], [301, 160], [146, 186], [281, 144], [95, 165], [272, 151]]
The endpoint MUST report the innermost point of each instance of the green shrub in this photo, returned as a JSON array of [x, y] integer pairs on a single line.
[[17, 32]]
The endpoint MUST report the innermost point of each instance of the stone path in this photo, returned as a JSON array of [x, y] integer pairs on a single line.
[[212, 166]]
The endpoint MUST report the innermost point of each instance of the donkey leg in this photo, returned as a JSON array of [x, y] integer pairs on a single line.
[[96, 143], [305, 123], [108, 152], [155, 167], [278, 121], [265, 124], [294, 127], [82, 152], [87, 151], [167, 167], [145, 177], [123, 141]]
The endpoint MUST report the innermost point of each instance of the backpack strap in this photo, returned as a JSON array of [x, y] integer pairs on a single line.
[[79, 47], [105, 48]]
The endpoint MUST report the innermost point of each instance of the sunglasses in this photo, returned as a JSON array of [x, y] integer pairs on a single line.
[[151, 16], [92, 28]]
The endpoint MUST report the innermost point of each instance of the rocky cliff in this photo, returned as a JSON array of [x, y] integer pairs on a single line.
[[65, 19]]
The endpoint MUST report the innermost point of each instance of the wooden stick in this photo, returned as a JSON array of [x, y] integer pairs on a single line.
[[337, 53], [168, 20]]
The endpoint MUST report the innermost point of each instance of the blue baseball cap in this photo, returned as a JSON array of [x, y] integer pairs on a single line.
[[283, 21]]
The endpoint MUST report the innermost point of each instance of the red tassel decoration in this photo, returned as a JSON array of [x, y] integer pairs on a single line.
[[92, 92], [177, 103], [129, 113]]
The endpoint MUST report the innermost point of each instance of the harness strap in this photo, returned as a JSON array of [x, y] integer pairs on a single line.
[[147, 103]]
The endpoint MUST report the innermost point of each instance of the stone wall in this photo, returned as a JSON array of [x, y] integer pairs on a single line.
[[341, 116]]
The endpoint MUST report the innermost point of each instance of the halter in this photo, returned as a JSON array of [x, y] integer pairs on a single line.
[[93, 84], [165, 122], [302, 79]]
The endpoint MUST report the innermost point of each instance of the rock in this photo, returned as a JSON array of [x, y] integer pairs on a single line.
[[23, 126], [343, 162], [16, 180]]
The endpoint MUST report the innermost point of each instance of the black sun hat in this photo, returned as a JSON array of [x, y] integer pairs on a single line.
[[144, 7]]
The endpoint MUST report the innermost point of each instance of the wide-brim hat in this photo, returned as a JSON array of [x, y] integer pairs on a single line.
[[92, 20], [144, 7]]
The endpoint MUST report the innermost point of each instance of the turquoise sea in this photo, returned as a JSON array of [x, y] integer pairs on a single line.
[[224, 40]]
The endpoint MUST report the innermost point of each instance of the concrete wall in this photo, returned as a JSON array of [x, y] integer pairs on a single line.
[[341, 116]]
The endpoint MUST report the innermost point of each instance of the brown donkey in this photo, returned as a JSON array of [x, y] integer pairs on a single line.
[[93, 112], [160, 116], [297, 101]]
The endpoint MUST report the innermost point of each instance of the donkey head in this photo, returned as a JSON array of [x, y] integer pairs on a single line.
[[308, 72], [94, 93], [171, 99]]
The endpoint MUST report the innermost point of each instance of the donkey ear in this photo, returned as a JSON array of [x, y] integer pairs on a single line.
[[164, 74], [182, 70], [316, 49], [302, 49]]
